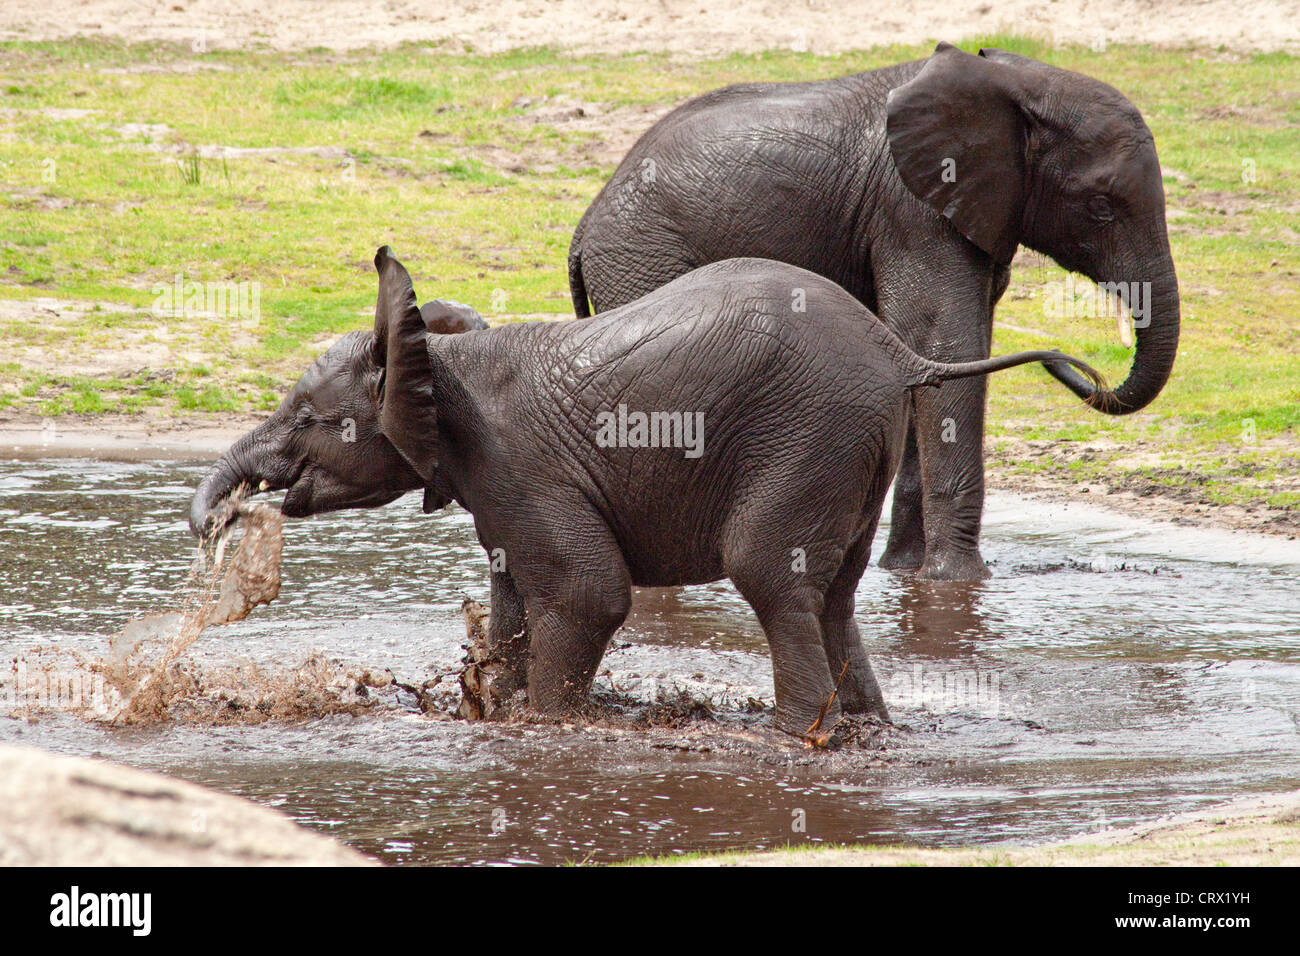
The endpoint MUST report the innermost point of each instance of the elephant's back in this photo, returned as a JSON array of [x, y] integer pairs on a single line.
[[774, 170], [742, 321], [764, 370], [750, 105]]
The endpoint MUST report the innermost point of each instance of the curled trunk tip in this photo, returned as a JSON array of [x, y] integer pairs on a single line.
[[1153, 358], [227, 479]]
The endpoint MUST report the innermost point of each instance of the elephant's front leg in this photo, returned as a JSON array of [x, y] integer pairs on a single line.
[[566, 650], [507, 634], [906, 548], [577, 595], [949, 424]]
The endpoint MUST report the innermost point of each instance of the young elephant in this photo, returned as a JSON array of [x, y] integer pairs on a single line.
[[698, 433]]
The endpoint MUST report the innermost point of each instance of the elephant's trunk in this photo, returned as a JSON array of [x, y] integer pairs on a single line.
[[1156, 329], [235, 468]]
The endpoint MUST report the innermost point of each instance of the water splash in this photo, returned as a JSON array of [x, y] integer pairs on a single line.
[[147, 678]]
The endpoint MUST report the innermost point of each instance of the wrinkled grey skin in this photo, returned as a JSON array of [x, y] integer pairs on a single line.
[[846, 178], [804, 417], [323, 443]]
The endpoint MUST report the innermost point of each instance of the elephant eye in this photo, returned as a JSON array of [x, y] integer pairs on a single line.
[[1099, 208]]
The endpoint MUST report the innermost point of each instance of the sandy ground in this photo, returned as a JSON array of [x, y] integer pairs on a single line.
[[689, 27], [119, 437], [1148, 502], [1255, 831]]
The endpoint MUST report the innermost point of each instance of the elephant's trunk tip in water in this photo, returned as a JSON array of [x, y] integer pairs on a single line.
[[215, 505], [230, 478]]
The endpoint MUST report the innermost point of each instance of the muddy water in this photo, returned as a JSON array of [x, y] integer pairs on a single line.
[[1112, 671]]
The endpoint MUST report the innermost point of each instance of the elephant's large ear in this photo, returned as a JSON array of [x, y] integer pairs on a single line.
[[958, 137], [1018, 61], [379, 338], [446, 317], [407, 414]]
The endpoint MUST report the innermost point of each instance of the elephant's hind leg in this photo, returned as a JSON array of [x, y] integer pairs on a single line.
[[788, 604], [800, 672], [859, 692]]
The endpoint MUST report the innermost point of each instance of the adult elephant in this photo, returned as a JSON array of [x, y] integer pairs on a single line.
[[910, 186]]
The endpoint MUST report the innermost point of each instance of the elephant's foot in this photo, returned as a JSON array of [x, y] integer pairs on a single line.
[[954, 566], [857, 690], [903, 556], [815, 725], [861, 697]]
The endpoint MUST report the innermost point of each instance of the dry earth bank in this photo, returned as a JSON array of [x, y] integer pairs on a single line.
[[688, 27]]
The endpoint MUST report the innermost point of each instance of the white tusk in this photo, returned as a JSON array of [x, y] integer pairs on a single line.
[[1123, 317], [1126, 328]]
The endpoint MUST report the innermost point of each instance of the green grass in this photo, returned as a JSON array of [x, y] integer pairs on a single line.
[[466, 165]]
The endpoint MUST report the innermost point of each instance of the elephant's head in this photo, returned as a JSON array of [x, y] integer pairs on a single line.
[[1014, 151], [325, 443]]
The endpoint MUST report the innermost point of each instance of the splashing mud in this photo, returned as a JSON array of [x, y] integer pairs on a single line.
[[150, 688], [672, 717], [481, 697], [146, 677]]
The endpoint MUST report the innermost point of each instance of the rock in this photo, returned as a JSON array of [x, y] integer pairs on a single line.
[[70, 811]]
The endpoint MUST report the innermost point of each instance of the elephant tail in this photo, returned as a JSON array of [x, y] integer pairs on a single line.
[[577, 285], [932, 374]]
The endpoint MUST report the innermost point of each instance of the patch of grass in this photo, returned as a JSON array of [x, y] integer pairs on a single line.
[[467, 165], [323, 96], [209, 398]]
